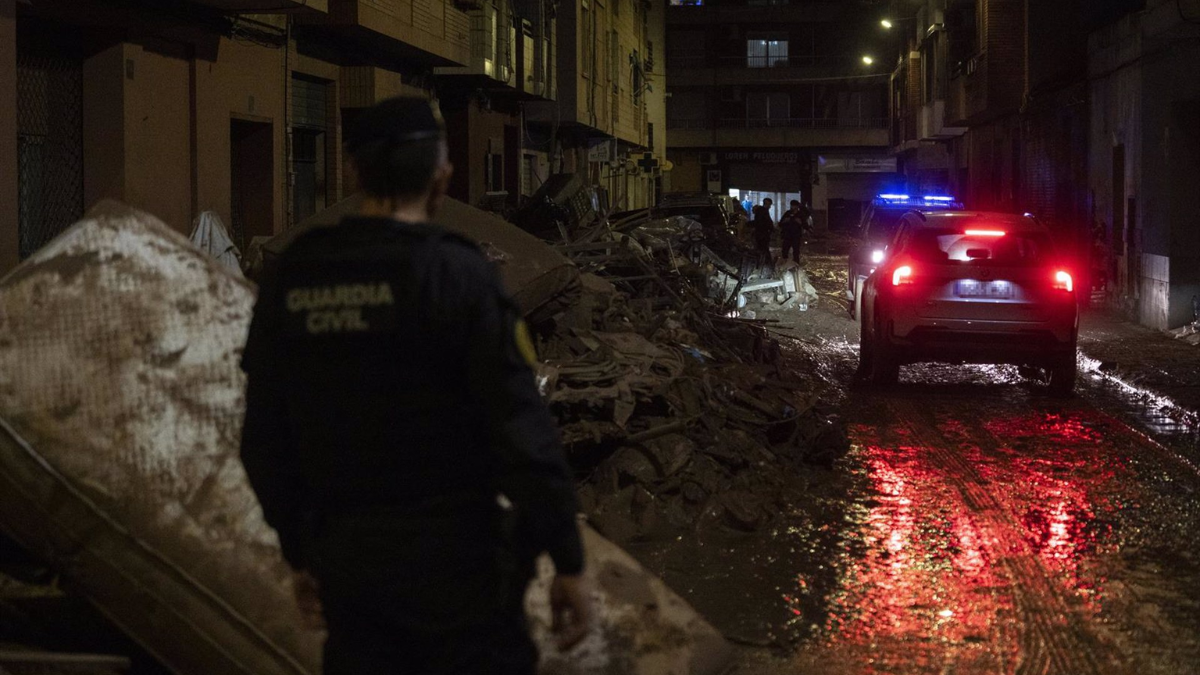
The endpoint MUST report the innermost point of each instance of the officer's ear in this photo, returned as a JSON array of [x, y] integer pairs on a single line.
[[438, 187]]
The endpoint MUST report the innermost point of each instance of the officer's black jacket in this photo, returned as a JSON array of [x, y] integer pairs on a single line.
[[385, 376]]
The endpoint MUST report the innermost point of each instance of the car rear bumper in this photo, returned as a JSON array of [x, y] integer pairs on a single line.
[[1021, 343]]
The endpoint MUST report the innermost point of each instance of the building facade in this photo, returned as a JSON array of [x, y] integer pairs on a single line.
[[238, 106], [1081, 113], [776, 99], [1145, 157], [989, 104], [607, 123]]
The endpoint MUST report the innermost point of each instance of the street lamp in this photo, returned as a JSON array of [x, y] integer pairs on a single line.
[[889, 23], [868, 60]]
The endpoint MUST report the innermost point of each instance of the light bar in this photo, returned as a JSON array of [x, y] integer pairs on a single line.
[[938, 198], [985, 233], [895, 197]]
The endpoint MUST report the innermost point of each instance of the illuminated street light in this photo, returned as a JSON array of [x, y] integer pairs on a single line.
[[886, 24], [868, 60]]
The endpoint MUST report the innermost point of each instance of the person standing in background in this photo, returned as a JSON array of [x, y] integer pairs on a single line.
[[764, 228]]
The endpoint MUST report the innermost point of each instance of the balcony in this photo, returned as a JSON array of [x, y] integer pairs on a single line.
[[268, 6], [737, 71], [429, 32], [510, 62], [781, 14], [932, 124], [700, 69], [790, 132]]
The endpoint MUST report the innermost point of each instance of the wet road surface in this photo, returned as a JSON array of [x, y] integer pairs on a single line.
[[987, 528]]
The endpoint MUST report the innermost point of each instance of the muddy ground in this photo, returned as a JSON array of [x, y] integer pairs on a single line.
[[976, 526]]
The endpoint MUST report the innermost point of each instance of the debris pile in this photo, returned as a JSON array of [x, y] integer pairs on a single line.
[[120, 410], [1189, 333], [673, 402]]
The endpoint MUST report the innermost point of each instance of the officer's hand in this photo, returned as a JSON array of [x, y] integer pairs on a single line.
[[571, 606], [308, 600]]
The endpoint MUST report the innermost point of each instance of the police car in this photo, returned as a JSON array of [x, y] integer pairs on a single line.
[[970, 287], [876, 230]]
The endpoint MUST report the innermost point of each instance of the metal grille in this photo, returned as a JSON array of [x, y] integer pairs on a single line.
[[309, 103], [49, 148]]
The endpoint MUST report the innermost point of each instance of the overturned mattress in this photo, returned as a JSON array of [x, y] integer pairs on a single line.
[[120, 411], [541, 280]]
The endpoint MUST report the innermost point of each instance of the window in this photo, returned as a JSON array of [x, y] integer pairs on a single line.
[[614, 60], [587, 43], [767, 109], [494, 171], [1023, 249], [766, 50]]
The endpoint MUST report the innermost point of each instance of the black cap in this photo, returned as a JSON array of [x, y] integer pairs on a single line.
[[403, 119]]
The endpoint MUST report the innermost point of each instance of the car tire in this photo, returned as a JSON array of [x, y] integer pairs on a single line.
[[1062, 377], [866, 345], [885, 367]]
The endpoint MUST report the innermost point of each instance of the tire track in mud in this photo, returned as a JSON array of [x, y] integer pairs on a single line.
[[1054, 639]]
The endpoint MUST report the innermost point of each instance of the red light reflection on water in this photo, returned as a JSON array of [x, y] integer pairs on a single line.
[[937, 550]]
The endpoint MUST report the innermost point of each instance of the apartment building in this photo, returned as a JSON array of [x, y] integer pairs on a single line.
[[1144, 158], [775, 98], [1081, 113], [608, 120], [238, 106]]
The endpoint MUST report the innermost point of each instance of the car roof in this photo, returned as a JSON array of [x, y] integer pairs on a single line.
[[954, 219]]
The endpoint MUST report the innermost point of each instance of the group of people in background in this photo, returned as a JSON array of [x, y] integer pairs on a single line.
[[793, 225]]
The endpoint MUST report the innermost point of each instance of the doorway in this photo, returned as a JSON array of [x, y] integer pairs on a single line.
[[49, 148], [252, 178]]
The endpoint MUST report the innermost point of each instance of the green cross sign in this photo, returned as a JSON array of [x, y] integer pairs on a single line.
[[647, 163]]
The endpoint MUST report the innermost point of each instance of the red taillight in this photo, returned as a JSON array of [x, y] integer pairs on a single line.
[[1063, 281], [985, 233], [902, 275]]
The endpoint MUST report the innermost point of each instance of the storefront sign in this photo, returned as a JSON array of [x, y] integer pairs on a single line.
[[857, 164], [764, 157], [601, 151]]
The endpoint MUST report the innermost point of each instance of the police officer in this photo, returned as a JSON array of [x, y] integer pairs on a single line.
[[791, 230], [764, 229], [394, 433]]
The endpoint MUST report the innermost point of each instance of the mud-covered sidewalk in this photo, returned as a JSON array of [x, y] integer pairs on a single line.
[[1141, 357]]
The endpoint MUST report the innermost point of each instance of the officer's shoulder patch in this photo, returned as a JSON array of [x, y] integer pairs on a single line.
[[524, 343]]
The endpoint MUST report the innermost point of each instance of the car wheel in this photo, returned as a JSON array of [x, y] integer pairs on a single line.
[[865, 352], [1062, 377], [856, 308], [885, 368]]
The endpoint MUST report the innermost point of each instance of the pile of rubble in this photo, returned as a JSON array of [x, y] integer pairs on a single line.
[[673, 400], [120, 410]]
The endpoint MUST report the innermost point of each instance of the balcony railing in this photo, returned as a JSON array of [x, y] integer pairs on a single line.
[[805, 123], [702, 59], [688, 124]]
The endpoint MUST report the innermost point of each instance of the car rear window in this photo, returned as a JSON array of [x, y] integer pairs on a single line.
[[882, 224], [1017, 249]]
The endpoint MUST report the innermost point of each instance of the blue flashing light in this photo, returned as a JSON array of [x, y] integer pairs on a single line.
[[938, 198], [893, 197]]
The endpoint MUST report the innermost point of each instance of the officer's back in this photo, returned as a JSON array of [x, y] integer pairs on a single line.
[[394, 433]]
